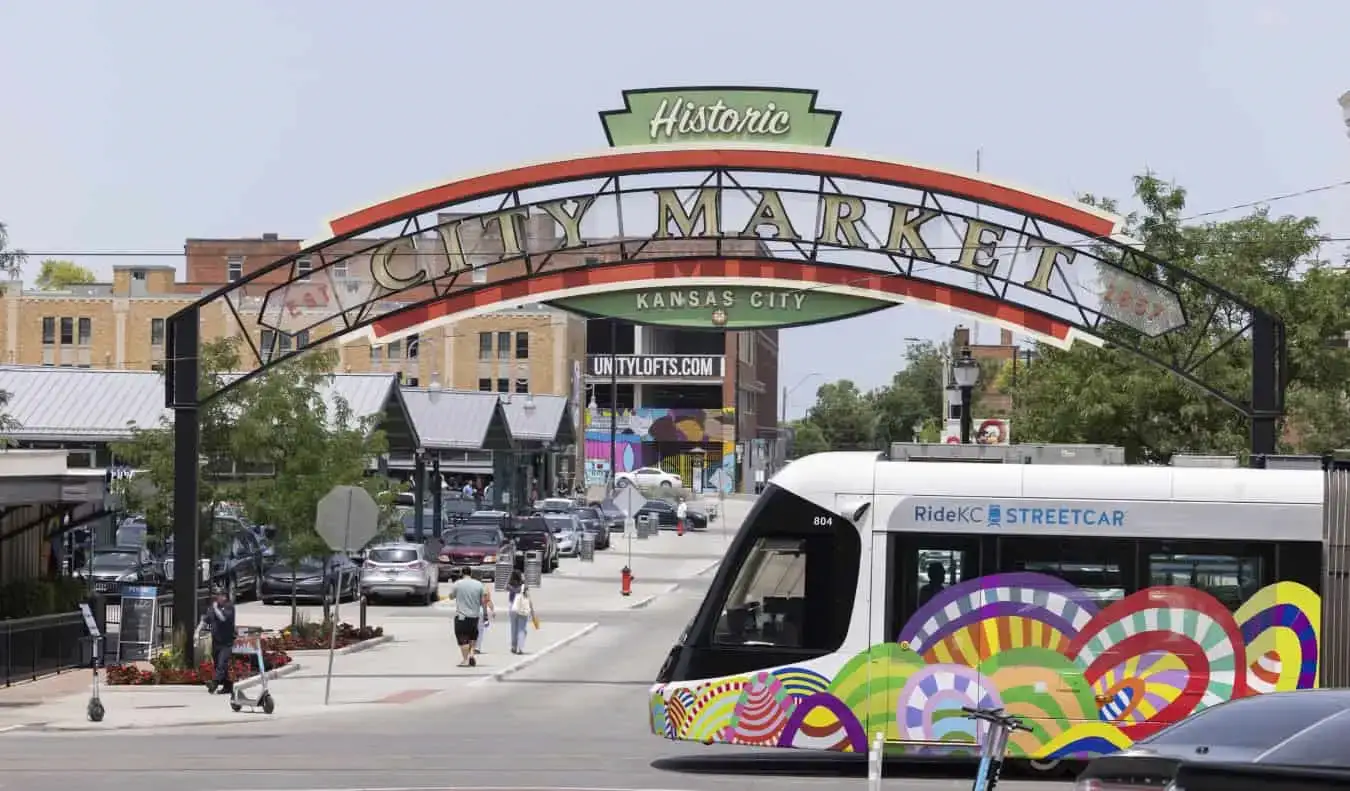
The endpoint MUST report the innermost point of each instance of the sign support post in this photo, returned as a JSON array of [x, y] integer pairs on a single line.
[[347, 518]]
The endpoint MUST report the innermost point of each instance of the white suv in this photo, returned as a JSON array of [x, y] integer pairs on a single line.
[[649, 476]]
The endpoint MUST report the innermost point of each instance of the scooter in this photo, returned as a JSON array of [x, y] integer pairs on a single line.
[[95, 710], [252, 644], [995, 744]]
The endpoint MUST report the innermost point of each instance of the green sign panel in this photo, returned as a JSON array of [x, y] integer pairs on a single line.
[[782, 116], [723, 307]]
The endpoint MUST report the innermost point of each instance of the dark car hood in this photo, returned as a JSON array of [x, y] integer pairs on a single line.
[[288, 574], [531, 540], [469, 549]]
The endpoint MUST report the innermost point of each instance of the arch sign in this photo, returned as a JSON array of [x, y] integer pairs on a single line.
[[729, 207]]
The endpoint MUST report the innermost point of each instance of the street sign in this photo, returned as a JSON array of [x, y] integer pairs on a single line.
[[347, 518], [629, 500]]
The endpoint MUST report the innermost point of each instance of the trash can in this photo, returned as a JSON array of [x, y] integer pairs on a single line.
[[534, 568], [586, 550], [644, 527], [501, 573]]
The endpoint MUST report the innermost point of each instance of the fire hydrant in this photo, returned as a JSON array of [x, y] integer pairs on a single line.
[[626, 581]]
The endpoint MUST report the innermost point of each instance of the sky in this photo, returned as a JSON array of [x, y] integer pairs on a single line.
[[134, 125]]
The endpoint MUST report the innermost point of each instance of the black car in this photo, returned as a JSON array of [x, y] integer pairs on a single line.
[[456, 508], [110, 568], [236, 558], [1308, 728], [660, 510], [312, 579], [532, 534], [614, 518], [593, 522], [408, 517]]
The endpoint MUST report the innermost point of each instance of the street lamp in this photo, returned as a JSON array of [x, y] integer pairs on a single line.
[[966, 374], [787, 391]]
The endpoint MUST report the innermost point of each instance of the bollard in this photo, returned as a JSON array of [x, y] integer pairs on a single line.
[[363, 613], [874, 762]]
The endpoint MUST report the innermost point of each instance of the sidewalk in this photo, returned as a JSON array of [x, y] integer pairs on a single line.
[[417, 666]]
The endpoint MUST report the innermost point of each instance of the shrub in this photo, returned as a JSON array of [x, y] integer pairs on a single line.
[[34, 597], [310, 636], [162, 670]]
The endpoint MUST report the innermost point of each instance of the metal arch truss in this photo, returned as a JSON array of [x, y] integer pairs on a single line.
[[1056, 275]]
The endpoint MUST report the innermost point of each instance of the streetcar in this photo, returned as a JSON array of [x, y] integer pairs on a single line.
[[1100, 604]]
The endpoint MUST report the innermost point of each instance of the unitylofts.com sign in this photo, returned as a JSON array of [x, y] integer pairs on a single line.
[[656, 366]]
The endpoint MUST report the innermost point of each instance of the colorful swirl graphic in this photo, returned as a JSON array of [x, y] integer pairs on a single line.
[[1086, 681]]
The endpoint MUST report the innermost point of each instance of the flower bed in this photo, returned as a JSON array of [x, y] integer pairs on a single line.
[[315, 636], [241, 667]]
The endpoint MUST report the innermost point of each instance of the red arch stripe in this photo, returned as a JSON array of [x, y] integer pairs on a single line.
[[806, 273], [820, 163]]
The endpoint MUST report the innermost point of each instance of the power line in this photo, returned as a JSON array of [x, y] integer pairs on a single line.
[[1272, 199]]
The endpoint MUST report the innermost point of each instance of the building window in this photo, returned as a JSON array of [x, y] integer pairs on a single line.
[[485, 385], [522, 385], [376, 353], [265, 342], [48, 330], [396, 350], [592, 260], [303, 268], [485, 346], [414, 341], [503, 346], [234, 268], [156, 332], [138, 274], [302, 339], [503, 385], [412, 381], [340, 269], [479, 274], [85, 331], [67, 331], [522, 345]]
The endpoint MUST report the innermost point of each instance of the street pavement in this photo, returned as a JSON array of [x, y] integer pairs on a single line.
[[570, 715]]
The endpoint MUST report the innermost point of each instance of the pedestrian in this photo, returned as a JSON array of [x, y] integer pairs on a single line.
[[484, 620], [471, 598], [681, 514], [520, 608], [219, 618]]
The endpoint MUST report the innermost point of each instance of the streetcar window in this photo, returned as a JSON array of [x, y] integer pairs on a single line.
[[765, 606], [1231, 580], [1097, 569]]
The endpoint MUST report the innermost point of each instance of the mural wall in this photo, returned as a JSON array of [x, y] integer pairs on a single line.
[[1087, 680], [659, 437]]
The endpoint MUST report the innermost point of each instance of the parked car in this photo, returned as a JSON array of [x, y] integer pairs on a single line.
[[400, 570], [660, 510], [550, 505], [649, 476], [475, 548], [456, 508], [566, 529], [235, 555], [109, 568], [1307, 728], [406, 515], [593, 522], [315, 579], [614, 518], [532, 534]]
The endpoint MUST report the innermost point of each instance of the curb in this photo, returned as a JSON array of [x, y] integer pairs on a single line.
[[362, 646], [645, 602], [530, 660], [281, 672], [709, 567]]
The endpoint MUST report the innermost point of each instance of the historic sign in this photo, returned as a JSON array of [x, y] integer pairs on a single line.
[[741, 307], [654, 116], [656, 366]]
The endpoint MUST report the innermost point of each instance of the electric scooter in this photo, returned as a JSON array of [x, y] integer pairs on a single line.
[[995, 744]]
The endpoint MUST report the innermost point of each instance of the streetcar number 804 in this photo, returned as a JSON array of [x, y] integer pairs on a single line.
[[823, 521]]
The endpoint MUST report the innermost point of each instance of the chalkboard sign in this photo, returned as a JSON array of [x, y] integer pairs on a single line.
[[136, 633]]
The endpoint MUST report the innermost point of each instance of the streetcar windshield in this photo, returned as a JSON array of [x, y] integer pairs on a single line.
[[765, 604]]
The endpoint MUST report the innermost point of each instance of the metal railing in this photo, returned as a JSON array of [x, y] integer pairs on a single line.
[[33, 647], [112, 619]]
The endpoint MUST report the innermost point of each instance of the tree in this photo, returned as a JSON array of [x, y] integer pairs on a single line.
[[1106, 395], [844, 416], [60, 275], [913, 398], [11, 260], [309, 447], [807, 438], [150, 449], [7, 422]]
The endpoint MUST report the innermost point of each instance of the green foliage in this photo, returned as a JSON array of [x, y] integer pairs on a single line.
[[7, 421], [33, 597], [11, 260], [844, 418], [1110, 396], [273, 444], [59, 275]]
